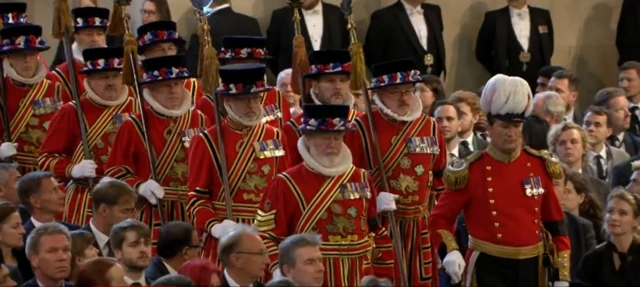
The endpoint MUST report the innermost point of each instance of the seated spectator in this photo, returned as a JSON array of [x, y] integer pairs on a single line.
[[12, 242], [634, 181], [544, 76], [131, 243], [534, 131], [281, 282], [49, 251], [243, 255], [201, 272], [9, 177], [173, 280], [616, 262], [178, 242], [550, 107], [82, 248], [372, 281], [300, 259], [283, 85], [6, 278], [99, 271], [430, 90], [579, 200]]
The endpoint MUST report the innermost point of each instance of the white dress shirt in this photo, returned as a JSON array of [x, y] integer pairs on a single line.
[[36, 223], [315, 25], [208, 11], [592, 159], [101, 239], [230, 281], [621, 138], [452, 154], [171, 270], [568, 117], [521, 25], [416, 16], [140, 280]]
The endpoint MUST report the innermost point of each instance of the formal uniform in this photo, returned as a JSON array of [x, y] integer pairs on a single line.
[[170, 133], [249, 49], [515, 222], [167, 32], [254, 156], [30, 103], [62, 151], [15, 13], [323, 62], [83, 18], [414, 158], [338, 203]]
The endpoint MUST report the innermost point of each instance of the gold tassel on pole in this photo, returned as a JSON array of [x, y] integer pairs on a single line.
[[116, 24], [300, 63], [358, 68], [61, 19], [208, 64], [130, 48]]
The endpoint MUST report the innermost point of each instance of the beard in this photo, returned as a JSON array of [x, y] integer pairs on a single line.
[[134, 264], [328, 161]]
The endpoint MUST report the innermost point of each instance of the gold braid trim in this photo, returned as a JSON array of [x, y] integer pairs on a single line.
[[265, 221], [448, 240], [564, 264], [551, 162], [456, 175]]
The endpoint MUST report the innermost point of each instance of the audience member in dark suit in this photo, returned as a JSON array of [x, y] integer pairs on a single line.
[[532, 130], [615, 101], [50, 268], [9, 177], [323, 27], [565, 83], [582, 237], [131, 243], [580, 199], [470, 112], [243, 256], [40, 193], [12, 236], [544, 76], [113, 201], [224, 22], [411, 29], [174, 280], [516, 40], [628, 78], [10, 276], [628, 32], [178, 242], [622, 172]]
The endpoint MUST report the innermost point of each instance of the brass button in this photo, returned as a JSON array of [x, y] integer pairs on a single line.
[[536, 209], [488, 168], [488, 178], [535, 197], [537, 233], [528, 164], [490, 189], [536, 221], [491, 201], [496, 224], [494, 213], [499, 235], [531, 174]]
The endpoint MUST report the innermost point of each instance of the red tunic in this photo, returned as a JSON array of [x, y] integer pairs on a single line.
[[498, 212], [62, 149], [341, 209], [195, 89], [415, 156], [61, 75], [250, 169], [292, 134], [276, 109], [30, 110], [170, 138]]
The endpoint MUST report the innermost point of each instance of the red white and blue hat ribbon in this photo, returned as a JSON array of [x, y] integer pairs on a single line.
[[15, 18], [90, 22], [165, 74], [239, 88], [325, 124], [156, 36], [330, 68], [23, 43], [243, 53], [103, 64], [411, 76]]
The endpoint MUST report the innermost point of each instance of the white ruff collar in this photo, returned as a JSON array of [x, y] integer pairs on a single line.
[[41, 73], [341, 167], [77, 53], [414, 113], [183, 109], [94, 97], [314, 97]]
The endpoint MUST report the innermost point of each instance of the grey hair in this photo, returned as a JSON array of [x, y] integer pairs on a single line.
[[552, 103], [175, 280], [291, 244], [285, 73], [230, 243], [4, 171], [280, 282], [51, 228], [373, 281]]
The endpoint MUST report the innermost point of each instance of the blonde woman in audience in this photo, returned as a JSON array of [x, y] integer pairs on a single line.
[[82, 248], [617, 261]]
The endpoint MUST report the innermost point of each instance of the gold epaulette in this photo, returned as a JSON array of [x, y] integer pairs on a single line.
[[553, 164], [456, 175]]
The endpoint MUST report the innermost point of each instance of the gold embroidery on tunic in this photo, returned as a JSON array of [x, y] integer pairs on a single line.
[[252, 197], [405, 163], [341, 225], [253, 182], [419, 169], [179, 171], [405, 183], [266, 169], [253, 167]]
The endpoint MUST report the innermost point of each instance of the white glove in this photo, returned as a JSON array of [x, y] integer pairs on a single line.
[[276, 274], [223, 228], [151, 190], [454, 265], [386, 202], [560, 284], [8, 150], [85, 169]]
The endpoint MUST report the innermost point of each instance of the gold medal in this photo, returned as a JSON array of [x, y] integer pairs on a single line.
[[429, 59]]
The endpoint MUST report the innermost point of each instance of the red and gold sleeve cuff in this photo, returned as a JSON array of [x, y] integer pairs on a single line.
[[449, 240]]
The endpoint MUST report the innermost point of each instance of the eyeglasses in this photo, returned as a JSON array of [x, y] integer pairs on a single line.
[[148, 12], [262, 253]]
